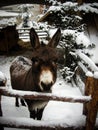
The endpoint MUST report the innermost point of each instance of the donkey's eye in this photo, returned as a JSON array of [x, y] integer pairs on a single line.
[[54, 63], [35, 61]]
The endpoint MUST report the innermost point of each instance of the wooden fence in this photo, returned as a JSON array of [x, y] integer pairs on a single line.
[[89, 99]]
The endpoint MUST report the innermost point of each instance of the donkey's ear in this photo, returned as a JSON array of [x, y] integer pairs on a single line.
[[55, 39], [34, 39]]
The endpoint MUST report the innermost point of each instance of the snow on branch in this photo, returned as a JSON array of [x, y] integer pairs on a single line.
[[43, 96], [87, 60], [89, 7]]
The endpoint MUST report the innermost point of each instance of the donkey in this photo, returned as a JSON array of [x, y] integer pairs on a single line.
[[38, 73]]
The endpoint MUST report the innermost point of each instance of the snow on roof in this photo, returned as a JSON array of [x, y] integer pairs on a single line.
[[79, 121], [7, 14], [6, 21]]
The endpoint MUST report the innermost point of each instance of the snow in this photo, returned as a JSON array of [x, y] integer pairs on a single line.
[[2, 76], [93, 36], [86, 7], [90, 7], [96, 75], [7, 21], [81, 38], [66, 4], [7, 14], [87, 61], [49, 123], [89, 74]]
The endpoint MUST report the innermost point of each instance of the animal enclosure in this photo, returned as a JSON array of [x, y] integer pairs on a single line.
[[89, 99]]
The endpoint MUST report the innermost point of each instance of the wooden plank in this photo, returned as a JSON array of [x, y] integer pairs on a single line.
[[28, 123], [43, 96], [88, 91], [92, 105]]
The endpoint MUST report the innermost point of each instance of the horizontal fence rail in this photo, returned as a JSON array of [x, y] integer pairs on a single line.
[[43, 96], [27, 123]]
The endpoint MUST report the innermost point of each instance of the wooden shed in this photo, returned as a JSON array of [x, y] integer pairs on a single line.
[[8, 38]]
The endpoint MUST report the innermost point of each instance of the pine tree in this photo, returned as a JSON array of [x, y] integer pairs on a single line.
[[66, 16]]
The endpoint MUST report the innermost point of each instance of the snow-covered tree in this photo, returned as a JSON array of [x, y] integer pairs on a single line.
[[66, 16]]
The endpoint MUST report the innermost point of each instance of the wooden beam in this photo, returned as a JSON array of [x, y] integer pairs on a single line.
[[43, 96], [28, 123], [92, 105]]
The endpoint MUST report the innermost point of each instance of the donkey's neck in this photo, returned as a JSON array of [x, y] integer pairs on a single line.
[[31, 81]]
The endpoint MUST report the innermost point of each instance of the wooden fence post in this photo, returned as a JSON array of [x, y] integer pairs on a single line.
[[92, 106], [89, 83]]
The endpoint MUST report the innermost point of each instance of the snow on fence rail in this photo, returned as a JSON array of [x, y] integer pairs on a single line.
[[16, 123], [30, 123], [27, 123], [43, 96]]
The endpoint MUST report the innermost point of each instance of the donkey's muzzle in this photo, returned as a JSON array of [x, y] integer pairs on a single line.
[[46, 87]]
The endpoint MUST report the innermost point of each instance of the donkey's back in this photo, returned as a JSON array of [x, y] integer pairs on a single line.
[[19, 69]]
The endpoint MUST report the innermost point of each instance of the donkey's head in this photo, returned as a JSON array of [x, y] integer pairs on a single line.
[[44, 60]]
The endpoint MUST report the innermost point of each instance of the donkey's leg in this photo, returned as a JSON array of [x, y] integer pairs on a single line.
[[22, 102], [39, 113], [16, 102], [31, 110], [33, 114], [36, 114]]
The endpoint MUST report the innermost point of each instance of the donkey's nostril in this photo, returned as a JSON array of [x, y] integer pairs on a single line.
[[46, 86]]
